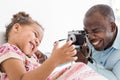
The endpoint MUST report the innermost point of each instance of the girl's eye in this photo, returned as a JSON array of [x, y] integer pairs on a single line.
[[35, 34]]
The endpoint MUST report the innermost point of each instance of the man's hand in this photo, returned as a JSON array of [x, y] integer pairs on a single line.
[[81, 57], [83, 53], [41, 57]]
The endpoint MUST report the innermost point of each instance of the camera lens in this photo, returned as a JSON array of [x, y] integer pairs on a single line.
[[72, 38]]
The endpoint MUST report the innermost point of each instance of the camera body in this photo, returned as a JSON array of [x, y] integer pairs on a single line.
[[78, 37]]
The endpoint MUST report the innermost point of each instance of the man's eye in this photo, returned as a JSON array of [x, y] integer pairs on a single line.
[[87, 32], [96, 31]]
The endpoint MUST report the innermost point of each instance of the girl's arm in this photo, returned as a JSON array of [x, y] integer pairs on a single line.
[[16, 71]]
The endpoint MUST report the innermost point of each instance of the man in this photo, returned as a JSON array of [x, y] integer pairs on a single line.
[[40, 56], [103, 35]]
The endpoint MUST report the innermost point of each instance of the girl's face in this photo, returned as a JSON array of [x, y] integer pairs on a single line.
[[28, 37]]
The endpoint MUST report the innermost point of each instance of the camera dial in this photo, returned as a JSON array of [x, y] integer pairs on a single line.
[[78, 37]]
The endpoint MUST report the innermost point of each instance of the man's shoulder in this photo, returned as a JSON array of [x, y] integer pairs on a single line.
[[114, 56], [116, 43]]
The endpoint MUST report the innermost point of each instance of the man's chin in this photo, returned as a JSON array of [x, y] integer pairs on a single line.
[[99, 48]]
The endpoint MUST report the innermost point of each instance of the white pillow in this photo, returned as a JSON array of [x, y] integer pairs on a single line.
[[2, 37]]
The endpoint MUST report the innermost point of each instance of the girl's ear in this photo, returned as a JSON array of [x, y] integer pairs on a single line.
[[16, 27], [113, 26]]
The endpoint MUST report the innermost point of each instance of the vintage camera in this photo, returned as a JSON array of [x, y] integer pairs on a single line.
[[78, 37]]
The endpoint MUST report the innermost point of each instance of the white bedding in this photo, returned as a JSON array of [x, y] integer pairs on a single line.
[[77, 71]]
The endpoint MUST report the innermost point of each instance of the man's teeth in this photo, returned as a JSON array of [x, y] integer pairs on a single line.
[[95, 43]]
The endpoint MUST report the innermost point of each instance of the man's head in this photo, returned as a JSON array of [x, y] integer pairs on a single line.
[[99, 24]]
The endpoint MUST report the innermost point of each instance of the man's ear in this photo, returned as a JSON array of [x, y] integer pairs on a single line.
[[113, 26], [16, 27]]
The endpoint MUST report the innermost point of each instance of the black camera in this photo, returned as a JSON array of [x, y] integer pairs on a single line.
[[78, 37]]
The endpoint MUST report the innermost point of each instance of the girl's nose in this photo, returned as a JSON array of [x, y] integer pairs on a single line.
[[37, 42]]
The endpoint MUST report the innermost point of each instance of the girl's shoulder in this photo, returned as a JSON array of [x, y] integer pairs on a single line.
[[8, 50], [7, 47]]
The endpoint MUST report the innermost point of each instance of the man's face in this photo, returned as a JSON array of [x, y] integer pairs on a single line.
[[99, 31]]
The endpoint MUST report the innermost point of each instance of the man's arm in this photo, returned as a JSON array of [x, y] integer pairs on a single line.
[[105, 72], [116, 70]]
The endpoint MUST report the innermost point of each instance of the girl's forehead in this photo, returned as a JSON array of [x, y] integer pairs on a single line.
[[39, 31], [37, 27]]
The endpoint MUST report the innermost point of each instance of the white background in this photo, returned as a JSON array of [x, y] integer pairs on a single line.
[[56, 16]]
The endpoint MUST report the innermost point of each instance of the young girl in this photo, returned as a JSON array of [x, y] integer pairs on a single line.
[[17, 60]]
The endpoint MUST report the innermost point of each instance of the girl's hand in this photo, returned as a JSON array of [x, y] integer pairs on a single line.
[[65, 53]]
